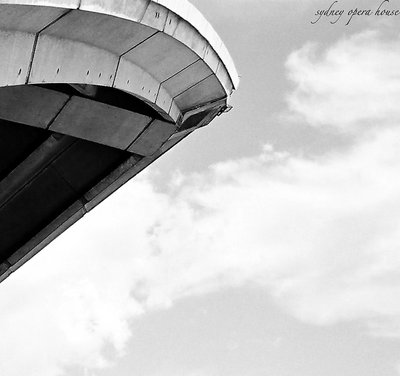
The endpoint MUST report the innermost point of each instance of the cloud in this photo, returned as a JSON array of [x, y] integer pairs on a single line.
[[351, 86], [320, 235]]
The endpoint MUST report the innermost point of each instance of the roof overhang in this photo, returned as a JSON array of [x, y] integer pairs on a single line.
[[111, 80]]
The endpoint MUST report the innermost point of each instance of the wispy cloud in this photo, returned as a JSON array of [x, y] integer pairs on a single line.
[[321, 236], [351, 86]]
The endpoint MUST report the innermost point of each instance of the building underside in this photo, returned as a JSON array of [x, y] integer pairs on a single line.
[[91, 93]]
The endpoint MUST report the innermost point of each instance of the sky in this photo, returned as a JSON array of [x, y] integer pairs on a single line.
[[266, 244]]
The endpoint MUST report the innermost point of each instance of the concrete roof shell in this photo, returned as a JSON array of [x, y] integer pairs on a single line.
[[163, 52], [167, 24]]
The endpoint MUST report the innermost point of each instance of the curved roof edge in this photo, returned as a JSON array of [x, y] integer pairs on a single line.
[[182, 8], [191, 14]]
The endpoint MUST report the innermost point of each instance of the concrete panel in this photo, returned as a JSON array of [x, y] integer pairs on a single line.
[[64, 61], [86, 163], [17, 142], [164, 99], [218, 104], [199, 119], [209, 33], [163, 114], [197, 20], [4, 270], [110, 33], [187, 78], [211, 59], [70, 4], [161, 56], [45, 237], [155, 16], [133, 10], [229, 64], [207, 90], [104, 184], [152, 138], [15, 51], [225, 79], [189, 13], [26, 18], [189, 36], [26, 171], [127, 172], [101, 123], [42, 197], [134, 79], [171, 24], [142, 10], [176, 6], [174, 140], [30, 105], [181, 8], [175, 112]]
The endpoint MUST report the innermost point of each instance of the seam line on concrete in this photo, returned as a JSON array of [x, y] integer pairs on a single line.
[[143, 163], [204, 107], [144, 12], [41, 239], [129, 50], [161, 83], [7, 199], [61, 176], [81, 198], [172, 99], [35, 42], [116, 71], [35, 175], [58, 113], [6, 272], [187, 67], [166, 18], [143, 41], [76, 140], [158, 93], [114, 176], [140, 134], [191, 87]]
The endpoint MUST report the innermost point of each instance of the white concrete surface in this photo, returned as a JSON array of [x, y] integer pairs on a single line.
[[138, 46]]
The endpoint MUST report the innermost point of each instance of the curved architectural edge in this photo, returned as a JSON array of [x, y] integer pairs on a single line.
[[182, 8], [189, 12], [61, 61], [77, 210]]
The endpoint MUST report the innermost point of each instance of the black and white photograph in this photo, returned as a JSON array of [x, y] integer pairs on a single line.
[[199, 187]]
